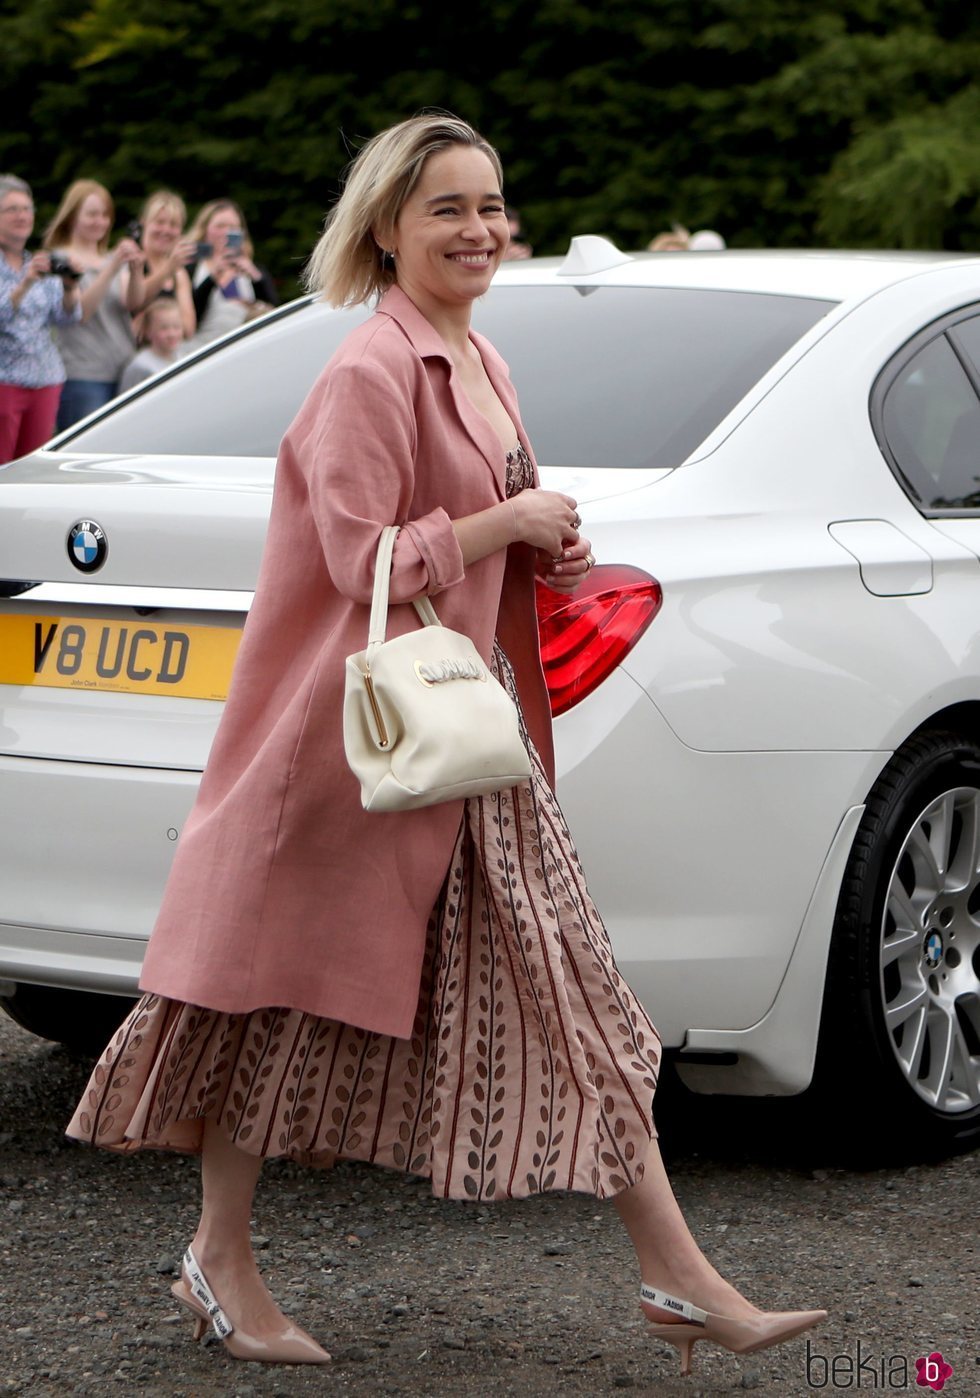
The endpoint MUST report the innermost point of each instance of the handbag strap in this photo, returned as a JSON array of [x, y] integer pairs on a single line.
[[378, 624]]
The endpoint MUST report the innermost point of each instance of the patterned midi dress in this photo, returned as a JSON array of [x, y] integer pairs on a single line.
[[530, 1066]]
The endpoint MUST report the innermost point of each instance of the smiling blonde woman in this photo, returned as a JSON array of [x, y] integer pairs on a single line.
[[433, 990]]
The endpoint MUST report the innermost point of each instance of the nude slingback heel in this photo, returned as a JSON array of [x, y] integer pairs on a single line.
[[291, 1346], [738, 1336]]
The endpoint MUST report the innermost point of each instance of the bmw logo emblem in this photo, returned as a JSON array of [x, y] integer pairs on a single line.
[[933, 950], [88, 547]]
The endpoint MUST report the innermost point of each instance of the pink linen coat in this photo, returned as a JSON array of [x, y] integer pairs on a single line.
[[283, 891]]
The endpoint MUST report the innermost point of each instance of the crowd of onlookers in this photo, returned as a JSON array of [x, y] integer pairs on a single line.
[[676, 238], [80, 321]]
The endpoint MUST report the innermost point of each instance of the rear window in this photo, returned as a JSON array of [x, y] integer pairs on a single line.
[[608, 376], [237, 400], [635, 376]]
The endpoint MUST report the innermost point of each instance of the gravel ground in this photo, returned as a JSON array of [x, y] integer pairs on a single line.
[[418, 1297]]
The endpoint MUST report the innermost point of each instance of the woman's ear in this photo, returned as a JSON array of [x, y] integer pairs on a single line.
[[383, 239]]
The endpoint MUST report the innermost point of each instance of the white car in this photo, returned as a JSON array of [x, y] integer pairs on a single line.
[[767, 702]]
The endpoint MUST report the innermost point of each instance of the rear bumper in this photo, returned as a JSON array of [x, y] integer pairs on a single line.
[[716, 873], [776, 1056], [85, 850], [72, 960]]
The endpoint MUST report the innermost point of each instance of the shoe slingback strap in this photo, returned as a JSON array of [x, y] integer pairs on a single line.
[[203, 1293], [666, 1302]]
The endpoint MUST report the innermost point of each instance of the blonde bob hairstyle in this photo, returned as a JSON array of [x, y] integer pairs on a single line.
[[163, 201], [198, 231], [348, 266], [62, 226]]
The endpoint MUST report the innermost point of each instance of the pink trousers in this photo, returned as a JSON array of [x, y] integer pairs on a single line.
[[27, 418]]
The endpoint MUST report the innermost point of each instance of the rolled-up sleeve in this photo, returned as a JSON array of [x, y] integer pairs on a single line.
[[359, 464]]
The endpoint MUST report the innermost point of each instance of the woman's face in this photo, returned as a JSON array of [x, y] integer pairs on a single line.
[[219, 225], [16, 220], [93, 221], [162, 230], [452, 230]]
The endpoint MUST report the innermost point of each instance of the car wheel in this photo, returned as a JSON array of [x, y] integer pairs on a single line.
[[81, 1020], [900, 1041]]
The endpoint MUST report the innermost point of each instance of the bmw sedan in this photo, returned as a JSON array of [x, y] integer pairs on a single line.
[[767, 694]]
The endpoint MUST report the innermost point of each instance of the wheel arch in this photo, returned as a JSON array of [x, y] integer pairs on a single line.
[[962, 718], [845, 1037]]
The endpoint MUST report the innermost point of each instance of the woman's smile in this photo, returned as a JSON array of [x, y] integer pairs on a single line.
[[454, 220]]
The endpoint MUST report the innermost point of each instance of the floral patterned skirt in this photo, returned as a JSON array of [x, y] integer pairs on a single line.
[[530, 1066]]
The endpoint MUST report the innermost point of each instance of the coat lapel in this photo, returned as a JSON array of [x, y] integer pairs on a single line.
[[429, 344], [504, 389]]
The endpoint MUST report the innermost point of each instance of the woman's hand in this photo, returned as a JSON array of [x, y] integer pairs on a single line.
[[546, 519], [39, 266], [127, 252], [566, 574], [246, 267]]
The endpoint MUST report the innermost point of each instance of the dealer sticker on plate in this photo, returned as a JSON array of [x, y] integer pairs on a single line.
[[132, 657]]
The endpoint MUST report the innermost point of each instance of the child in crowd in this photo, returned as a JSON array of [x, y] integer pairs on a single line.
[[162, 335]]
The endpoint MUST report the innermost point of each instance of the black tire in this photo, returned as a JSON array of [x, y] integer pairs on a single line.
[[913, 1109], [81, 1020]]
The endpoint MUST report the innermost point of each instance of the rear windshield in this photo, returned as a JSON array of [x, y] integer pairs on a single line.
[[635, 376], [610, 376]]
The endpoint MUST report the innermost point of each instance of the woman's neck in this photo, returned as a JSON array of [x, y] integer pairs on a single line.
[[85, 249], [451, 322]]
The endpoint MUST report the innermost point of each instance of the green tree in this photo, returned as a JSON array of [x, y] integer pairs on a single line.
[[776, 121]]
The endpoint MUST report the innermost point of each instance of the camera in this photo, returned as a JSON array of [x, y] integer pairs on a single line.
[[134, 230], [61, 267], [234, 239], [203, 250]]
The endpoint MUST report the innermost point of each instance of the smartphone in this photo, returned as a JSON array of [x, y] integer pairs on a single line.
[[234, 239]]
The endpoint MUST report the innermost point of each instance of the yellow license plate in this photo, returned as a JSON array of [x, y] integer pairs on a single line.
[[131, 657]]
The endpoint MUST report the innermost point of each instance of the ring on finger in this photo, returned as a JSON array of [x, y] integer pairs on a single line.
[[590, 560]]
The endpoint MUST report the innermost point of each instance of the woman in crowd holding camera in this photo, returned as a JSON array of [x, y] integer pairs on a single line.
[[98, 348], [228, 286], [31, 301], [166, 255]]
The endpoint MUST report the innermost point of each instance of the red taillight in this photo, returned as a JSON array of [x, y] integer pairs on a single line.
[[585, 634]]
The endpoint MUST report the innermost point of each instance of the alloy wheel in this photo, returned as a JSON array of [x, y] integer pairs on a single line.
[[929, 974]]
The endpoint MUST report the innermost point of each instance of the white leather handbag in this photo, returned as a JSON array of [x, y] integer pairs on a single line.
[[424, 719]]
